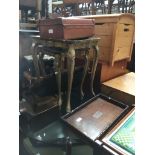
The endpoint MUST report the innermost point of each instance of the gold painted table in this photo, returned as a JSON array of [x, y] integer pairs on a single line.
[[66, 48]]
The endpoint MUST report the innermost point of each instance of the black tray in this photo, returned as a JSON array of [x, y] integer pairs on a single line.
[[96, 116]]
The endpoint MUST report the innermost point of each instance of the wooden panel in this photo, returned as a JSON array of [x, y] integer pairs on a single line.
[[127, 18], [121, 88], [124, 42], [104, 29], [125, 83], [108, 72], [104, 54], [105, 41], [114, 18], [125, 30], [121, 53]]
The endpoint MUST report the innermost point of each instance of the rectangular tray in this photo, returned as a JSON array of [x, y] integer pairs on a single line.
[[94, 117], [121, 138]]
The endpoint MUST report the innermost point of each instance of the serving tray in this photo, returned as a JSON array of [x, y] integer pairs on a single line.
[[96, 116]]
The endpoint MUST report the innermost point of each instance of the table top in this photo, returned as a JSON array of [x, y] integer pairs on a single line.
[[37, 37], [125, 83], [61, 43]]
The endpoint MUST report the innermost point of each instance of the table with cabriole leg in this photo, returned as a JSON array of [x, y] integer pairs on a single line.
[[67, 48]]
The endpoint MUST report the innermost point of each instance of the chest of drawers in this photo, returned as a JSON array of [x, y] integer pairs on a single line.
[[117, 35]]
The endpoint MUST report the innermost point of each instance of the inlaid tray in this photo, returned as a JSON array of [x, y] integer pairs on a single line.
[[122, 137], [96, 116]]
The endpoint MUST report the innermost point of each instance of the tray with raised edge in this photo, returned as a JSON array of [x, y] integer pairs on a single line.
[[96, 116]]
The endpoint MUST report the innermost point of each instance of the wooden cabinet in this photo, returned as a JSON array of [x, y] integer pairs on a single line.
[[116, 32]]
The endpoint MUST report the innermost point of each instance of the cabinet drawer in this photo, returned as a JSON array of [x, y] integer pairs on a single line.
[[125, 30], [122, 53], [104, 28]]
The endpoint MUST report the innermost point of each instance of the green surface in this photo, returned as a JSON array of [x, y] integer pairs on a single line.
[[124, 137]]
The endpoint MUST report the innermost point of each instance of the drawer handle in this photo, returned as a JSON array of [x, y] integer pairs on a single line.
[[118, 50], [99, 23], [126, 29]]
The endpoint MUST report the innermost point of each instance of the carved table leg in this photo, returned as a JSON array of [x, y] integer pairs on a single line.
[[34, 50], [70, 66], [58, 75], [84, 73], [95, 60]]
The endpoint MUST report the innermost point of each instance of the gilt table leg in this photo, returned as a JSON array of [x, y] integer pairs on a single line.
[[96, 54], [70, 66], [58, 75], [84, 73]]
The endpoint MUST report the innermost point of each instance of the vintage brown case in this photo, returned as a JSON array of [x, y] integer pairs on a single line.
[[96, 116], [66, 28]]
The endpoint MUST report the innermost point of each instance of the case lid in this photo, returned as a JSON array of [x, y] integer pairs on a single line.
[[67, 21]]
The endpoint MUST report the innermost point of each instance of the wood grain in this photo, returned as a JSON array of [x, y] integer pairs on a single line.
[[95, 117], [116, 32], [124, 83]]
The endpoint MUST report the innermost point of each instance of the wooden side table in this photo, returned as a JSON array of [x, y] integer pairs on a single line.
[[67, 48], [121, 88]]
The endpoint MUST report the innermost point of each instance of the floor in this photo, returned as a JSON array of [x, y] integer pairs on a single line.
[[46, 123], [53, 128]]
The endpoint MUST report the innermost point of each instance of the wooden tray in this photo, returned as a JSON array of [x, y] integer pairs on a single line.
[[96, 116]]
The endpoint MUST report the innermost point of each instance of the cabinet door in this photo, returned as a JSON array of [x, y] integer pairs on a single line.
[[123, 42]]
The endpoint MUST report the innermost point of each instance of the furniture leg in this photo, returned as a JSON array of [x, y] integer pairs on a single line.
[[58, 75], [84, 73], [35, 59], [41, 63], [70, 65], [96, 52]]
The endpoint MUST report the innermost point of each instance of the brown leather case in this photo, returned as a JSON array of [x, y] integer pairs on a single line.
[[66, 28]]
